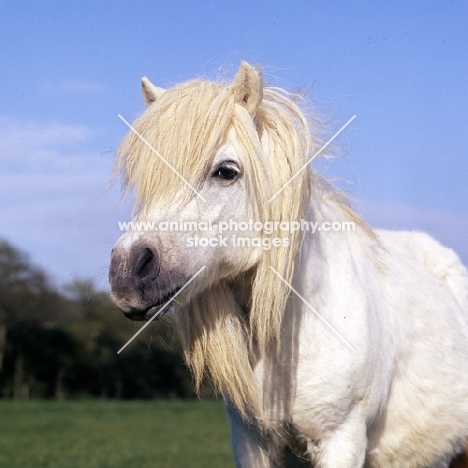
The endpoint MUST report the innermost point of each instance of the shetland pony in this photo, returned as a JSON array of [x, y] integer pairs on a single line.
[[348, 347]]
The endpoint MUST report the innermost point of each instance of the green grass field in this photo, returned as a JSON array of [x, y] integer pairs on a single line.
[[114, 434]]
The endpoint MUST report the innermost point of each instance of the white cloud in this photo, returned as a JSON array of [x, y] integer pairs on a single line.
[[54, 199], [27, 143]]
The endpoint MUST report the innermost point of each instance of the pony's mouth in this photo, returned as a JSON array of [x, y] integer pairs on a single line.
[[151, 311]]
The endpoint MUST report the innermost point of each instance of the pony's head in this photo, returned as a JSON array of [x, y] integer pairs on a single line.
[[206, 162]]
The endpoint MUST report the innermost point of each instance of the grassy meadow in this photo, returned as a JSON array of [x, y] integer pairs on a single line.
[[114, 434]]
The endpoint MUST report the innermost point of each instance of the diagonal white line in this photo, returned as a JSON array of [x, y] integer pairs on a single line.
[[312, 158], [313, 310], [161, 309], [155, 151]]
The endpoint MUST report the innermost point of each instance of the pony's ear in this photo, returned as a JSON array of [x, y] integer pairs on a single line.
[[150, 92], [248, 87]]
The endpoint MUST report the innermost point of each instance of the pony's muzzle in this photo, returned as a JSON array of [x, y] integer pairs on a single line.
[[132, 273]]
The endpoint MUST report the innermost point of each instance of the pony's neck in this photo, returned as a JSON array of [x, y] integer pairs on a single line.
[[328, 207], [340, 236]]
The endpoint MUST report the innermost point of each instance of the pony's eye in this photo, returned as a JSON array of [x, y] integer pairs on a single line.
[[227, 171]]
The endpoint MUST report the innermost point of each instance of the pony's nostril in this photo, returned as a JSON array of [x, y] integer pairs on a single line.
[[144, 262]]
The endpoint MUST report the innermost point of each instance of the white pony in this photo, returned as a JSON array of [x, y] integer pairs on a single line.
[[347, 347]]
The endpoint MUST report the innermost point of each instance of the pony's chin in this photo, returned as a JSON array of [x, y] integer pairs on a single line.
[[141, 315], [144, 315]]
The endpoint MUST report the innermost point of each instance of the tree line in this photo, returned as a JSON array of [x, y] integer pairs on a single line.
[[63, 344]]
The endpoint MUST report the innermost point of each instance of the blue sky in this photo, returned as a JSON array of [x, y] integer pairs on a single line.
[[68, 69]]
